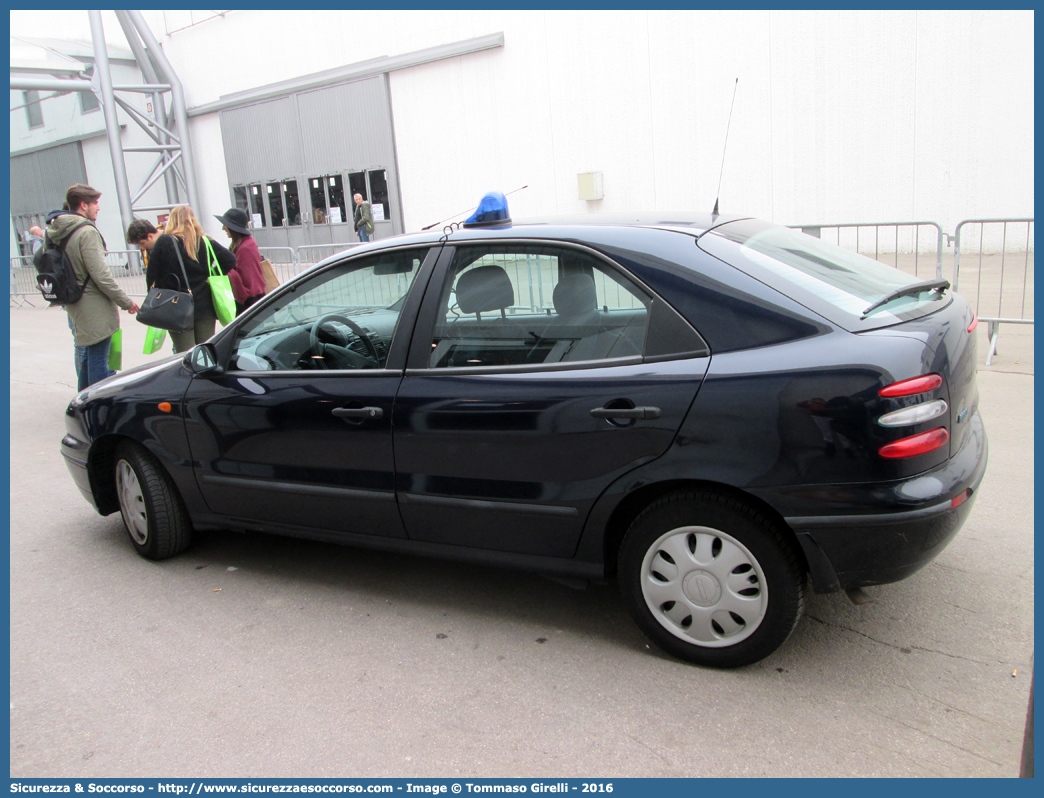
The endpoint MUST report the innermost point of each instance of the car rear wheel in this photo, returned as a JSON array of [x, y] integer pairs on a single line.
[[152, 510], [711, 580]]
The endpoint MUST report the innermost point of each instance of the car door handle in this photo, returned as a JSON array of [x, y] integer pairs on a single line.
[[372, 413], [626, 412]]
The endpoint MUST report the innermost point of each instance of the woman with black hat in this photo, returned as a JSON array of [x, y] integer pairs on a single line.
[[248, 281]]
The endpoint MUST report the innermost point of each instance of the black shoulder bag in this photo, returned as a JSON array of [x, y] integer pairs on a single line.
[[169, 309]]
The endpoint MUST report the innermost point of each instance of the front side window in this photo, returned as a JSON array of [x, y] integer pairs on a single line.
[[342, 319], [536, 305]]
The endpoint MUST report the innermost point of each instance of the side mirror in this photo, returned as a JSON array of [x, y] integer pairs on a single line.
[[202, 360]]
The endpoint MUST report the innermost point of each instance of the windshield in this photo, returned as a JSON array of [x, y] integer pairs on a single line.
[[834, 282]]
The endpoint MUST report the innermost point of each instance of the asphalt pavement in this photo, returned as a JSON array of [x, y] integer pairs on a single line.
[[257, 656]]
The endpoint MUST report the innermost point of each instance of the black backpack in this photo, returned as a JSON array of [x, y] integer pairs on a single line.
[[54, 272]]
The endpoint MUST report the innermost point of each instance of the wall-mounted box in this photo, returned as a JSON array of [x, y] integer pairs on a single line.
[[590, 185]]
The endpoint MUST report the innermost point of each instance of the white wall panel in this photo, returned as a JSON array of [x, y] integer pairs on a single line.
[[841, 116]]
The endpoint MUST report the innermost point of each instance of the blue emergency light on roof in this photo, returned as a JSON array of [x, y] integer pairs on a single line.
[[492, 209]]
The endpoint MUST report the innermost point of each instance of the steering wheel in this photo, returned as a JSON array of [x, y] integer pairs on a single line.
[[371, 360]]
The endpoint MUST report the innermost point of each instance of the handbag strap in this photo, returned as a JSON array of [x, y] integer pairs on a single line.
[[177, 252], [212, 261]]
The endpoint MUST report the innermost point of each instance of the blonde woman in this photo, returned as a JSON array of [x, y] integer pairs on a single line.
[[184, 235]]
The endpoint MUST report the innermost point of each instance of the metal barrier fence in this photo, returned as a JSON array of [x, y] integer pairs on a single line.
[[311, 254], [914, 247], [126, 266], [992, 264], [995, 277], [23, 282], [284, 261], [992, 261]]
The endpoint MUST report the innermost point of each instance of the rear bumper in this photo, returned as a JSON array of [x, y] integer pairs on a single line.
[[856, 550]]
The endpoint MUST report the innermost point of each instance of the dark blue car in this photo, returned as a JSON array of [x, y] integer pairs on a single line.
[[715, 410]]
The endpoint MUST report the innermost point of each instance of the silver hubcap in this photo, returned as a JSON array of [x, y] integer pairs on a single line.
[[132, 502], [704, 586]]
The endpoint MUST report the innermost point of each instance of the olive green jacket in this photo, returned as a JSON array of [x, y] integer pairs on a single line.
[[94, 317]]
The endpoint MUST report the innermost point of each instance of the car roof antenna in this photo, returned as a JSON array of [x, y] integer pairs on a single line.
[[729, 125]]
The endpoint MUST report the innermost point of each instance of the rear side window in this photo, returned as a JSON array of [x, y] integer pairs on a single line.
[[536, 305], [836, 283]]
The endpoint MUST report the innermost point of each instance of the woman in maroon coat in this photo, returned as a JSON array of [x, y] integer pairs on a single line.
[[248, 281]]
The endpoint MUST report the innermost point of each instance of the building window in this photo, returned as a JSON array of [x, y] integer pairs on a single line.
[[379, 195], [373, 186], [257, 206], [327, 195], [357, 185], [335, 185], [239, 193], [88, 102], [317, 194], [293, 203], [275, 204], [33, 109]]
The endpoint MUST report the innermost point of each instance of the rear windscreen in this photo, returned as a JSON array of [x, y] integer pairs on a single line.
[[841, 285]]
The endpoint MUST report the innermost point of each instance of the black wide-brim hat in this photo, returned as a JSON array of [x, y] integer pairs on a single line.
[[235, 219]]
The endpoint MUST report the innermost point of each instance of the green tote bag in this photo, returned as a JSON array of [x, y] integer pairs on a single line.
[[220, 288]]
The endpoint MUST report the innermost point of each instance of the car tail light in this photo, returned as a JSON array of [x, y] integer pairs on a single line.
[[974, 323], [916, 444], [917, 414], [960, 498], [922, 384]]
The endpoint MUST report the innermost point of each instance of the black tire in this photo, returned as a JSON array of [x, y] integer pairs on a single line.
[[711, 580], [153, 513]]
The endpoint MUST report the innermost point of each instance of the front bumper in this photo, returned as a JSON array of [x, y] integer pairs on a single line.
[[918, 520], [74, 452]]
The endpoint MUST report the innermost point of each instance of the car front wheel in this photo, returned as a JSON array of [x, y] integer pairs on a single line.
[[152, 511], [711, 580]]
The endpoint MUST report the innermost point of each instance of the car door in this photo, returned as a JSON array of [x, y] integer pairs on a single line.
[[296, 433], [529, 390]]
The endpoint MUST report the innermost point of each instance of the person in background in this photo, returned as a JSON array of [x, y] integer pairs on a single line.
[[35, 239], [248, 281], [36, 242], [363, 218], [94, 317], [184, 235], [143, 234]]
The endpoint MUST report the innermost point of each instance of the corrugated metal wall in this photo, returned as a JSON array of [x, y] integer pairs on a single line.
[[334, 130], [262, 141], [39, 180], [346, 126]]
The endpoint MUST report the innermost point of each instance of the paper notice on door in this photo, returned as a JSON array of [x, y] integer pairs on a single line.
[[335, 215], [378, 212], [255, 219]]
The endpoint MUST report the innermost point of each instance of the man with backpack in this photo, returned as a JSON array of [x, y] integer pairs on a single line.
[[93, 315]]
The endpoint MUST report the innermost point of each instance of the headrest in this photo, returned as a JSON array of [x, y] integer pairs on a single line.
[[575, 295], [484, 288]]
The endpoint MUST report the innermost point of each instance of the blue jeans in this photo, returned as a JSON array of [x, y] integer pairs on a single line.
[[363, 235], [94, 363], [76, 349]]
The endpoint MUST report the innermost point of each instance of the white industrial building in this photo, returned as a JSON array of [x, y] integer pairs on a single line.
[[837, 116]]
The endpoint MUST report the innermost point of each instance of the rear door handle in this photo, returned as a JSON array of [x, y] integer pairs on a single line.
[[372, 413], [626, 412]]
